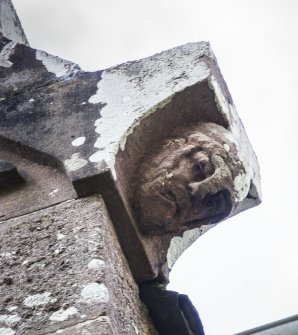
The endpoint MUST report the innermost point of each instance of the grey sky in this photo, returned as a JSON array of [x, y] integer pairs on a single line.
[[244, 272]]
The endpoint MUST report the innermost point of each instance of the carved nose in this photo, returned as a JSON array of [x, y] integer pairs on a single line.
[[200, 189], [217, 177], [9, 175]]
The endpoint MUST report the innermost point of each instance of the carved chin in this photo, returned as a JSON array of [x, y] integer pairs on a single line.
[[161, 215]]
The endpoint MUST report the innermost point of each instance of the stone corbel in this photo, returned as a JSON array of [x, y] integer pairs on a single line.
[[159, 138]]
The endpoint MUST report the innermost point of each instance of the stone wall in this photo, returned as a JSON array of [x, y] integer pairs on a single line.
[[63, 272]]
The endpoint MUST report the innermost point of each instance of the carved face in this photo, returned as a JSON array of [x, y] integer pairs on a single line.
[[185, 184]]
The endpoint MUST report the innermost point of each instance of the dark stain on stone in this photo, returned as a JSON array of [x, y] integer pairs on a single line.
[[9, 175], [8, 281]]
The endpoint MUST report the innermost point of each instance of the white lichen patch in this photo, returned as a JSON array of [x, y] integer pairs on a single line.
[[134, 90], [247, 157], [12, 308], [59, 251], [238, 136], [96, 264], [56, 65], [78, 141], [38, 299], [5, 54], [95, 293], [126, 98], [221, 101], [169, 175], [7, 331], [10, 320], [6, 254], [54, 192], [75, 162], [241, 185], [99, 156], [226, 147], [60, 236], [179, 244], [63, 314], [135, 329]]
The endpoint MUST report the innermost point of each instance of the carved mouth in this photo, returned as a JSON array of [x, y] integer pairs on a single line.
[[206, 220], [212, 209]]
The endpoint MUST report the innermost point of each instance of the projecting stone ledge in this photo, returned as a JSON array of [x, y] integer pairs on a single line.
[[159, 138]]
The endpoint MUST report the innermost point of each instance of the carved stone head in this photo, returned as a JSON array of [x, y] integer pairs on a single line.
[[187, 181]]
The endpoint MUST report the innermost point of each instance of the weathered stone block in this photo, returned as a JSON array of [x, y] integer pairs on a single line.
[[63, 272]]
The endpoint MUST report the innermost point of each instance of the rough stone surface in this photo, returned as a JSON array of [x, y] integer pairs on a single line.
[[63, 272]]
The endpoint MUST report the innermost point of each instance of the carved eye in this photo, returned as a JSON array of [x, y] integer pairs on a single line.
[[200, 166], [199, 171], [169, 195]]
